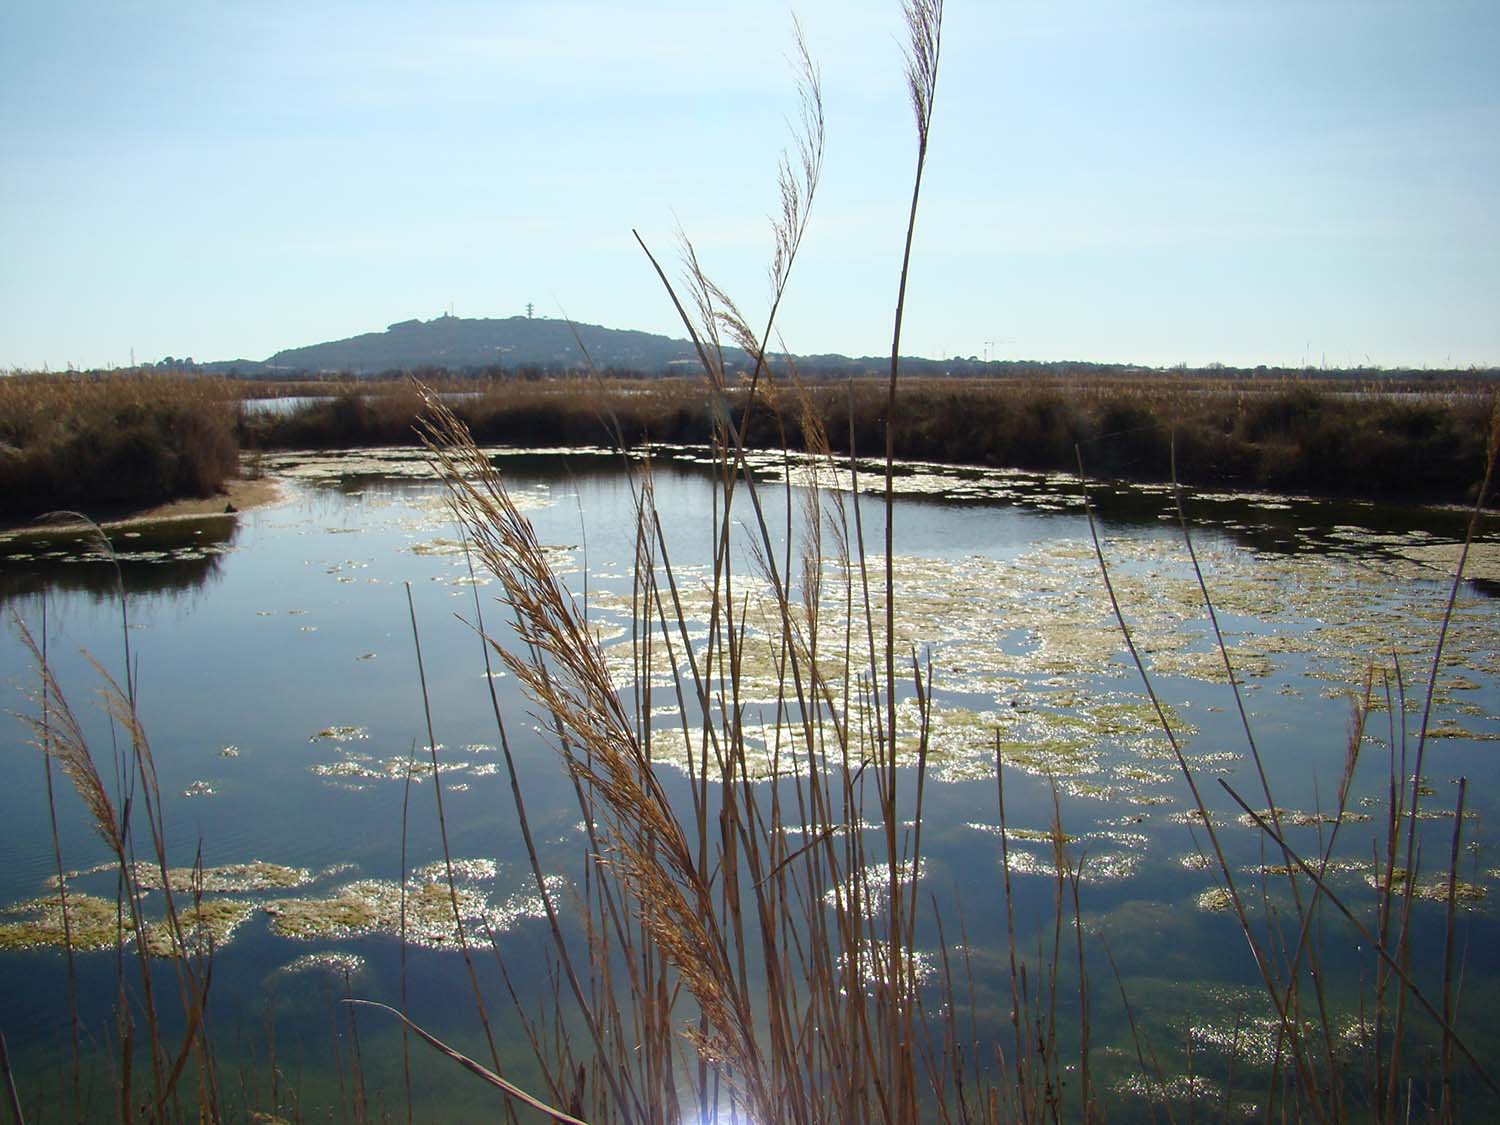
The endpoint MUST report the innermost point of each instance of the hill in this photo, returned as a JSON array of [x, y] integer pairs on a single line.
[[461, 343]]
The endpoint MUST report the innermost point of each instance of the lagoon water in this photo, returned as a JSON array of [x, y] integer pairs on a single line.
[[277, 678]]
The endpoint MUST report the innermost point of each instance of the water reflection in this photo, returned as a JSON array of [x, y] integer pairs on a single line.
[[157, 557]]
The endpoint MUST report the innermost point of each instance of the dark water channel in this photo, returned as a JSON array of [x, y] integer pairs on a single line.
[[277, 680]]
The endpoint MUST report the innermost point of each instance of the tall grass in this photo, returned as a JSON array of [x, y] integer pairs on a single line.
[[1316, 435], [176, 932], [1323, 1082], [99, 443], [766, 934], [757, 947], [762, 947]]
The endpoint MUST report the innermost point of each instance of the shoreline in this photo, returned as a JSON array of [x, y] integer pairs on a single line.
[[238, 495]]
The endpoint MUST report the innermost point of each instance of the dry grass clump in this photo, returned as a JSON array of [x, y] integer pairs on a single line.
[[567, 411], [1319, 436], [98, 443]]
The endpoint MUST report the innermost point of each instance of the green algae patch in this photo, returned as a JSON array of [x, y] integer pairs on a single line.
[[205, 926], [464, 870], [106, 865], [206, 920], [1025, 630], [1330, 868], [1482, 561], [1214, 900], [1301, 818], [1025, 835], [1434, 889], [1096, 869], [340, 966], [356, 768], [359, 908], [257, 875], [432, 911], [340, 734], [92, 923]]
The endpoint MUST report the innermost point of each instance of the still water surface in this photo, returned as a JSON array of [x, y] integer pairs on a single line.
[[277, 679]]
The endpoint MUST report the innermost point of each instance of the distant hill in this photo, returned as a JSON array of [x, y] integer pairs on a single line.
[[461, 343], [466, 345]]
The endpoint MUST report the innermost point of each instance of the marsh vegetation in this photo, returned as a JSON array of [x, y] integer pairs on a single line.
[[108, 443], [720, 795]]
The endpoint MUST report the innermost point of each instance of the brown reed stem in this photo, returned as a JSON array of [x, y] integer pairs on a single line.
[[1445, 1109], [437, 787], [12, 1096], [411, 760], [1389, 959], [618, 1079], [62, 879]]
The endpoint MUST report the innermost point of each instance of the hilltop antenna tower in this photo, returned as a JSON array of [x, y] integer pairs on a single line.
[[529, 309]]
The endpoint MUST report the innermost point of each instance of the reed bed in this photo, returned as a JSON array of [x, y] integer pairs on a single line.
[[100, 443], [1308, 434]]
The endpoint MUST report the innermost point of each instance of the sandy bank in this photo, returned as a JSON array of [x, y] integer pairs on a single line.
[[235, 496]]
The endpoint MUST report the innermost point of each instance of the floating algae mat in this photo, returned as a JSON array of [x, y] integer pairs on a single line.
[[429, 914], [240, 877], [91, 923], [207, 918], [1033, 635]]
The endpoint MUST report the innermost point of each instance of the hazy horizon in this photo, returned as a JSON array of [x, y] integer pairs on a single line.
[[1154, 183]]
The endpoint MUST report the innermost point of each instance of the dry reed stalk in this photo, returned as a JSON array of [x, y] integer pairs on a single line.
[[411, 760], [62, 883], [1445, 1107], [721, 897], [437, 787], [1287, 1022], [924, 27], [60, 736], [12, 1096]]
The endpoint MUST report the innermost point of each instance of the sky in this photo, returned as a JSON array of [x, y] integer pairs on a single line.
[[1284, 182]]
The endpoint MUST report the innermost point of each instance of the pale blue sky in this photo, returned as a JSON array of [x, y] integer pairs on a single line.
[[1146, 181]]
